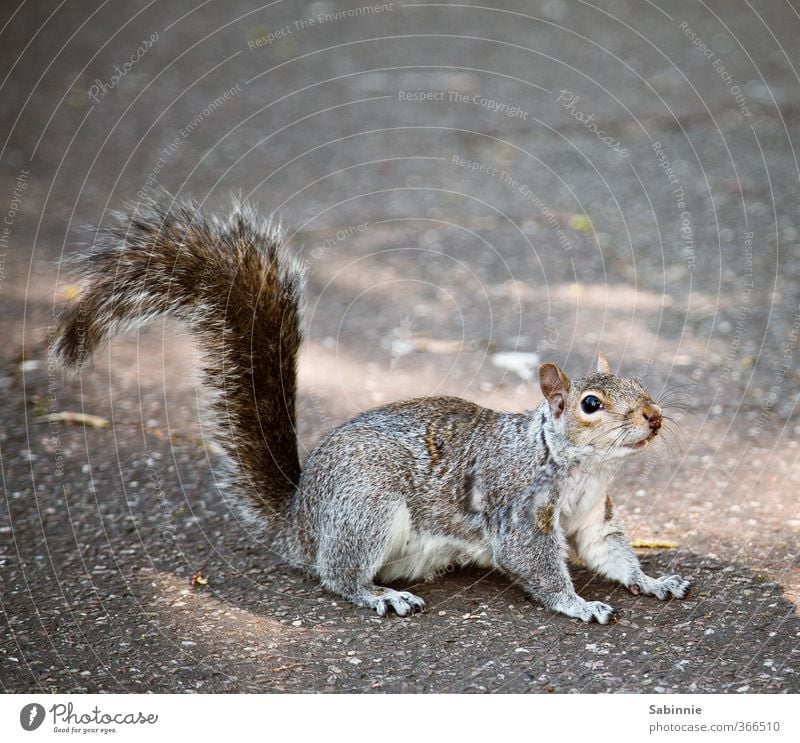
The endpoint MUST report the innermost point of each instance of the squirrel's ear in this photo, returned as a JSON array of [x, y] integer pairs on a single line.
[[555, 385], [602, 364]]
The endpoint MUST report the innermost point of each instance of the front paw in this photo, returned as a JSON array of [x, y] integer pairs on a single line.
[[588, 611], [569, 603], [597, 611], [668, 586]]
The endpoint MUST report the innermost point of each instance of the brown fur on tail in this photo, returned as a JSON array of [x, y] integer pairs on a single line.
[[231, 282]]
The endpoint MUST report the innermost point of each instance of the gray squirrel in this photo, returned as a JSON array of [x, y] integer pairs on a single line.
[[402, 491]]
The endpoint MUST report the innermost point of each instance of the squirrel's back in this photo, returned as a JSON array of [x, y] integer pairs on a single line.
[[410, 465]]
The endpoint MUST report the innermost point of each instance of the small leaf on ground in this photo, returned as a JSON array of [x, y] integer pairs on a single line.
[[84, 419], [198, 579]]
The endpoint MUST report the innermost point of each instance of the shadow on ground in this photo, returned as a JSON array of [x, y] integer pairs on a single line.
[[97, 596]]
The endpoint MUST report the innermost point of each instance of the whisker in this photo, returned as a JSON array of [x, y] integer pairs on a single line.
[[680, 407], [665, 451], [675, 400], [676, 396], [677, 439], [673, 395], [622, 432], [668, 444], [673, 421], [606, 432], [672, 388]]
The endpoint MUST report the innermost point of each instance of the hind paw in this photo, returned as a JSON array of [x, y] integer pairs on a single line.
[[382, 600]]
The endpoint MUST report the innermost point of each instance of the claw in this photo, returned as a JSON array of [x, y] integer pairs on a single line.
[[382, 600], [663, 588]]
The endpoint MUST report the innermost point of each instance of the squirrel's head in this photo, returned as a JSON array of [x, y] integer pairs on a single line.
[[601, 413]]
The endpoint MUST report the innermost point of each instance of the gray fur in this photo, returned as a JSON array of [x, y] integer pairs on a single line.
[[408, 490]]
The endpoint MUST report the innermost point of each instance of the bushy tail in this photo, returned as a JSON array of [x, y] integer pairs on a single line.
[[230, 281]]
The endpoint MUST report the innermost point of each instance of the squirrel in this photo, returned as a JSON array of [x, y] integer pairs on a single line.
[[403, 491]]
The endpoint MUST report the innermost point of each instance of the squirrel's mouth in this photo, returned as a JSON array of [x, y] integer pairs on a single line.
[[644, 442]]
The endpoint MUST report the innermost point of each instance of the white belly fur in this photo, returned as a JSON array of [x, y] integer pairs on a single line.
[[580, 495], [418, 556]]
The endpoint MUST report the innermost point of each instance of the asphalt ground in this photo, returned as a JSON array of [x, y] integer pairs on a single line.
[[438, 168]]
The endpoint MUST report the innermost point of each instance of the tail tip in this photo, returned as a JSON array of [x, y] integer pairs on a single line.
[[67, 350]]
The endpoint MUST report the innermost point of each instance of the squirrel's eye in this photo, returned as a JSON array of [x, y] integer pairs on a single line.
[[590, 404]]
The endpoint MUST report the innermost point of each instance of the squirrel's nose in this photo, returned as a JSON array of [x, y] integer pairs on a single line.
[[652, 414]]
